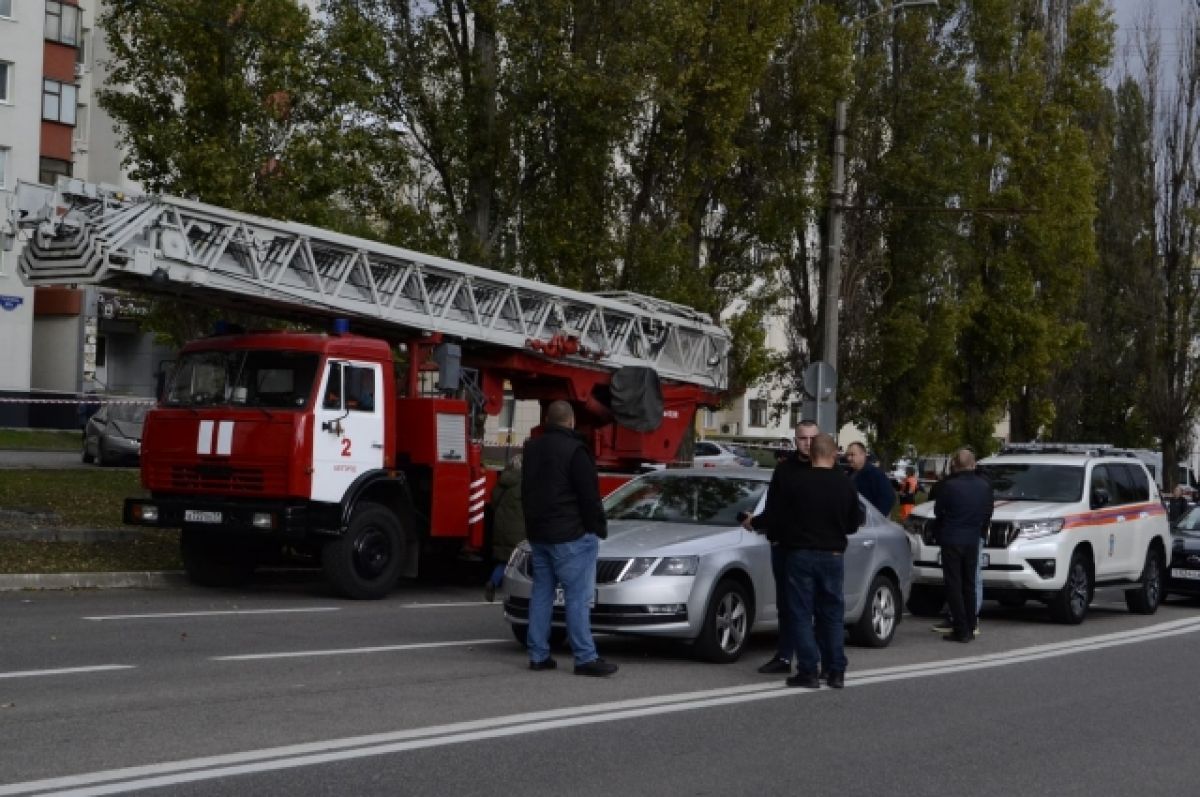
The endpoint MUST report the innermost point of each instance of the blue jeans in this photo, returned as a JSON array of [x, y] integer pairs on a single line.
[[572, 564], [497, 576], [815, 598], [785, 647]]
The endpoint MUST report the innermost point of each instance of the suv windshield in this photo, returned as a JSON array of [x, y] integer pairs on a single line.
[[710, 500], [276, 379], [1013, 481]]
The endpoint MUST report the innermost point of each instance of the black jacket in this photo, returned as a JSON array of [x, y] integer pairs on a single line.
[[559, 488], [962, 508], [810, 508]]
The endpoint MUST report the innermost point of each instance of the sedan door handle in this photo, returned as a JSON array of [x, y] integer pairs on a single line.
[[868, 543]]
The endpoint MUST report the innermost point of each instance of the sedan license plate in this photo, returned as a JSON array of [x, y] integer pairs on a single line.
[[201, 516], [560, 597], [1181, 573]]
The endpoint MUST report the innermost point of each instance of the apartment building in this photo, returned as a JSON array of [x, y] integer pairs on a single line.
[[60, 341]]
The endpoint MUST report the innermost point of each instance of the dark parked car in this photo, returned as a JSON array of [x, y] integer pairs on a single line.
[[113, 434], [1184, 575]]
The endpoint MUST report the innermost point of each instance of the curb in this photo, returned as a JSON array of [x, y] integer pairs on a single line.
[[163, 579]]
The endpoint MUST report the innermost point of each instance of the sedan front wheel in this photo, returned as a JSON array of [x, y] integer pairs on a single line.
[[726, 626], [877, 625]]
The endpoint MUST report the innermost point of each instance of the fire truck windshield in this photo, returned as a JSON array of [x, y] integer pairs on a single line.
[[271, 379]]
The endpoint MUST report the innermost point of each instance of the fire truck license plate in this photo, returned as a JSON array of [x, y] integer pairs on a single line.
[[200, 516]]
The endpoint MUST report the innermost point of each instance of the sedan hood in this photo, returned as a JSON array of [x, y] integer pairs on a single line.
[[657, 538]]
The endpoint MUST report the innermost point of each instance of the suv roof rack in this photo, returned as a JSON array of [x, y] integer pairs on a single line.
[[1087, 449]]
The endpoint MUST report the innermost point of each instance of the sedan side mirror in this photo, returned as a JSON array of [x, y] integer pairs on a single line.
[[1100, 497]]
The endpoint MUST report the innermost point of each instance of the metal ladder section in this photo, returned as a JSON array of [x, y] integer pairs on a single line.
[[167, 245]]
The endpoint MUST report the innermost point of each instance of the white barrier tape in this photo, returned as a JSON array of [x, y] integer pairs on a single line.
[[76, 401]]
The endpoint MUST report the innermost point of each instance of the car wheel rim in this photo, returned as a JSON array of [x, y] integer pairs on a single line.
[[731, 622], [883, 613], [1153, 582], [1079, 590]]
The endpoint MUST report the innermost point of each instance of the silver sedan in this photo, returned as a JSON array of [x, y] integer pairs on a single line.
[[677, 563]]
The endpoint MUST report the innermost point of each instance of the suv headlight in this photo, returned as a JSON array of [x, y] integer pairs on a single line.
[[1036, 529], [677, 566]]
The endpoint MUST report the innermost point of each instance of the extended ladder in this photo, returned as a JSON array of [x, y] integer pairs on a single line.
[[88, 234]]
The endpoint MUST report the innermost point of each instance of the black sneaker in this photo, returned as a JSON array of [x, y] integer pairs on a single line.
[[836, 680], [805, 680], [775, 666], [597, 668], [958, 638], [545, 664]]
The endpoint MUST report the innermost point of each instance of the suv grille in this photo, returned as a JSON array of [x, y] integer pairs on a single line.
[[1001, 534]]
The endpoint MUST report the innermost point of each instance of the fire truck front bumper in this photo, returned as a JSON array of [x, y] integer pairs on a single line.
[[288, 521]]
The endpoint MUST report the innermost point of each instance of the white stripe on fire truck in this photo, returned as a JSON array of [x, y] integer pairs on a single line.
[[478, 481], [225, 438], [204, 439], [476, 518], [476, 495], [475, 507]]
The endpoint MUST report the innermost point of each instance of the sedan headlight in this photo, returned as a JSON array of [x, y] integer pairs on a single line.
[[677, 566], [1036, 529], [914, 525], [636, 567], [519, 562]]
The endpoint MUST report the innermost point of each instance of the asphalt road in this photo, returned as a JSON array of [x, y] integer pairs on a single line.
[[283, 690]]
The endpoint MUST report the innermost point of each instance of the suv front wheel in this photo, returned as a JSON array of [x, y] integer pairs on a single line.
[[1149, 594], [1070, 604]]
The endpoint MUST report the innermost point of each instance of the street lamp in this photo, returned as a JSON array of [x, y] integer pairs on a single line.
[[833, 254]]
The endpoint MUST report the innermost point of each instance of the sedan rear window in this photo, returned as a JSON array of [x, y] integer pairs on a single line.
[[707, 500]]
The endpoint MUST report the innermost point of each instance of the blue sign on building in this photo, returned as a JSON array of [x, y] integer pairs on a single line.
[[10, 302]]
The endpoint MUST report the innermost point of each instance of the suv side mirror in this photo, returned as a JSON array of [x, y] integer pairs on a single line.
[[1100, 497]]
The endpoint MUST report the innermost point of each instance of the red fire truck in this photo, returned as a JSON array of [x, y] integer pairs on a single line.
[[363, 449]]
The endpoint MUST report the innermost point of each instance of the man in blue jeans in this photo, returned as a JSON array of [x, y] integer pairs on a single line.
[[809, 513], [564, 522], [785, 648]]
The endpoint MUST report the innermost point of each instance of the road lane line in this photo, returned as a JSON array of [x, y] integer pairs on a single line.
[[221, 613], [66, 670], [273, 759], [297, 654]]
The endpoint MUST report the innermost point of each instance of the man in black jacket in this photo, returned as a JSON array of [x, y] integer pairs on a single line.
[[564, 522], [962, 511], [809, 513]]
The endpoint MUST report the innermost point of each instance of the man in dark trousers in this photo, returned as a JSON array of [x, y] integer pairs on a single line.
[[785, 649], [564, 522], [962, 511], [870, 481], [809, 513]]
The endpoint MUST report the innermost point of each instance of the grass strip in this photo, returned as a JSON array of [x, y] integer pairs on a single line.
[[40, 440]]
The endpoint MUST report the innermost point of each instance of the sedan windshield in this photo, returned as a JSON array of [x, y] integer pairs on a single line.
[[275, 379], [1031, 482], [708, 500]]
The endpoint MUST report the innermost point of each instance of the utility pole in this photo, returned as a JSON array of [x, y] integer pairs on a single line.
[[833, 255]]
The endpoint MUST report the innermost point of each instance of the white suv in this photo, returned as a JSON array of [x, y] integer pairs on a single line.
[[1065, 523]]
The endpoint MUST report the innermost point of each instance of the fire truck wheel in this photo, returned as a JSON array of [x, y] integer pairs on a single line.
[[215, 561], [365, 562]]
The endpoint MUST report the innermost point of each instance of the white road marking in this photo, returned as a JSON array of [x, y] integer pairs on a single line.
[[211, 614], [298, 654], [168, 774], [66, 670], [449, 604]]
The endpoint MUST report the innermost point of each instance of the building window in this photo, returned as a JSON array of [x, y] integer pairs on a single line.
[[62, 23], [50, 169], [58, 102], [6, 8], [4, 167], [758, 412], [6, 70]]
